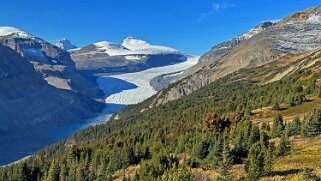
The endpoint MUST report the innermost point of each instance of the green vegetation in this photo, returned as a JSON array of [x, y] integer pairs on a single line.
[[211, 127]]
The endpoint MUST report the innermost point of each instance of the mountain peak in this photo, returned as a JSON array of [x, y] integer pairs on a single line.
[[65, 44], [259, 28], [315, 16], [134, 44], [6, 30]]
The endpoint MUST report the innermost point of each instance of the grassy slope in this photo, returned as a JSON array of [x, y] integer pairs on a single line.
[[306, 152]]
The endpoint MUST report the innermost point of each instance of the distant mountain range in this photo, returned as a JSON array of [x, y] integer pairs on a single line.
[[129, 56]]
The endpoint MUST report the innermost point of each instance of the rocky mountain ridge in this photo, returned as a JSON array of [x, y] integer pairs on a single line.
[[53, 63], [217, 52], [65, 44], [40, 89], [289, 36]]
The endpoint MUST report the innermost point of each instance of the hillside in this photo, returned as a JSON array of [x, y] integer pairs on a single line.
[[195, 129], [251, 113], [289, 36]]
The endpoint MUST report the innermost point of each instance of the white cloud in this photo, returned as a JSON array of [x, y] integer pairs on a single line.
[[220, 6], [215, 7]]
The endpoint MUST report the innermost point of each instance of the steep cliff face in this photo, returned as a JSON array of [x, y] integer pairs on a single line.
[[31, 108], [53, 63], [289, 36], [65, 44], [27, 100]]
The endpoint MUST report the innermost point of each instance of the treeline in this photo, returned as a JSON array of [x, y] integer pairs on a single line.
[[210, 128]]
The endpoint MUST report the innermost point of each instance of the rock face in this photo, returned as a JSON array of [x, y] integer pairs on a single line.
[[53, 63], [129, 56], [217, 52], [224, 48], [65, 44], [27, 100], [40, 90], [290, 36]]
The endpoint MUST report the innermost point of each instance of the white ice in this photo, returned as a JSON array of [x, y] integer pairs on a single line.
[[142, 80]]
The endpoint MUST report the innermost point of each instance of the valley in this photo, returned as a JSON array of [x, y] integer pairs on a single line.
[[119, 90], [127, 109]]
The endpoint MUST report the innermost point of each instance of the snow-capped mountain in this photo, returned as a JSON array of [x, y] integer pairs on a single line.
[[65, 44], [40, 89], [142, 47], [53, 63], [6, 31], [131, 55], [112, 49], [132, 46]]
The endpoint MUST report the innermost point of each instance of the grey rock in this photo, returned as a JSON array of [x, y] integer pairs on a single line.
[[65, 44], [286, 37]]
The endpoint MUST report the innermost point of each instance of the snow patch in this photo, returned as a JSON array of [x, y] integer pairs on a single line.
[[112, 49], [135, 57], [142, 47], [315, 19], [5, 31], [131, 46]]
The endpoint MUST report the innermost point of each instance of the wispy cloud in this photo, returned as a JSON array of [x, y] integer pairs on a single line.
[[215, 7]]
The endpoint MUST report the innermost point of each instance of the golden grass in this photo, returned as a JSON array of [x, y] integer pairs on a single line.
[[306, 152], [128, 172], [201, 174], [289, 113]]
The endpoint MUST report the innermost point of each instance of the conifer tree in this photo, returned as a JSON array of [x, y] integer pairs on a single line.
[[278, 126], [226, 163], [268, 160], [254, 136], [54, 172], [312, 124], [215, 154], [284, 146], [23, 172], [255, 163]]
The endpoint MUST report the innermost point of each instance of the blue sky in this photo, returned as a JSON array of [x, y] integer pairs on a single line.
[[193, 26]]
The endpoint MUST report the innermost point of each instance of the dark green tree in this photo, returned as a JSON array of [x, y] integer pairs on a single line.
[[284, 146], [200, 150], [277, 127], [54, 172], [268, 160], [312, 123], [255, 163], [227, 161]]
